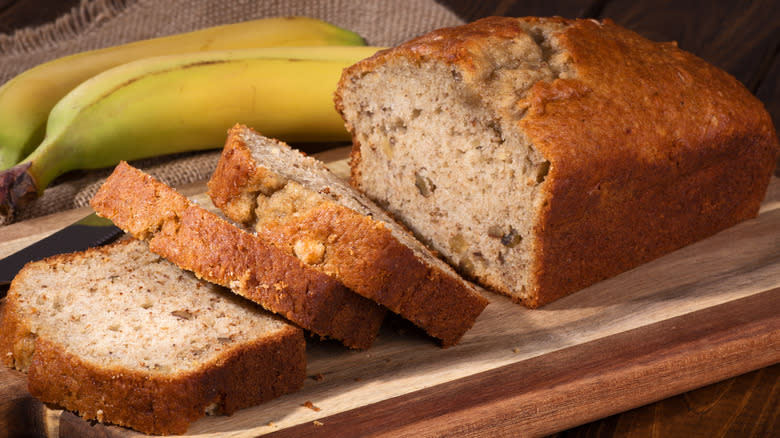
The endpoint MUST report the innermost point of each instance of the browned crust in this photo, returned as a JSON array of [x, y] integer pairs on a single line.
[[236, 179], [356, 174], [364, 255], [145, 401], [12, 329], [361, 252], [217, 251], [679, 151], [166, 404], [451, 45], [651, 148]]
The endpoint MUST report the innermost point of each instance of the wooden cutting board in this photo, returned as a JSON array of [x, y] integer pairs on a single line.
[[699, 315]]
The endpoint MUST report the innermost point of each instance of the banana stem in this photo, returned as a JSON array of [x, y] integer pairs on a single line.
[[17, 189]]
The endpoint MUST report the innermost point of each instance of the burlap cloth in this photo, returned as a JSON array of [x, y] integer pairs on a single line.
[[100, 23]]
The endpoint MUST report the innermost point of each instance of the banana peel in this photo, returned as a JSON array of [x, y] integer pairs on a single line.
[[27, 99]]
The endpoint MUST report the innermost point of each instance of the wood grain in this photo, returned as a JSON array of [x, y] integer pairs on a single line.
[[744, 406], [540, 395], [20, 412]]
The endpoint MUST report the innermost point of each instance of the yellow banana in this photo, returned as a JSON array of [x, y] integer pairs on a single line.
[[25, 101], [185, 102]]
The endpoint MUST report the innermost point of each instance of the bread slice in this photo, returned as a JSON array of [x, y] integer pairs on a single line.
[[541, 155], [198, 240], [122, 336], [297, 203]]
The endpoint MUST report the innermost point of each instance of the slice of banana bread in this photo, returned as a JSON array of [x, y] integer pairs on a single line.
[[198, 240], [541, 155], [122, 336], [296, 202]]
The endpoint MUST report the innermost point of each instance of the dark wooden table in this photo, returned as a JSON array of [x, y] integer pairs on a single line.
[[743, 38]]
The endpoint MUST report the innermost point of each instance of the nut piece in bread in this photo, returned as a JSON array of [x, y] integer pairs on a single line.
[[122, 336], [541, 155], [199, 241], [294, 201]]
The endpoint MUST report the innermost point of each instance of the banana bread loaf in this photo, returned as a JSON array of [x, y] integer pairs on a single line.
[[297, 203], [542, 155], [198, 240], [121, 336]]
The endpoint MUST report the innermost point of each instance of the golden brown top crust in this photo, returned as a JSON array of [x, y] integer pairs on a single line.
[[641, 103], [461, 45], [628, 92], [637, 115]]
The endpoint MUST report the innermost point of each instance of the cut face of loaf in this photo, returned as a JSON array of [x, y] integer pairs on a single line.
[[542, 155], [296, 202], [199, 241], [122, 336]]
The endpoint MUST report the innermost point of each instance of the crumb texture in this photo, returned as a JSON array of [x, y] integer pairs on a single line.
[[218, 251], [467, 200], [121, 320], [296, 202], [150, 315]]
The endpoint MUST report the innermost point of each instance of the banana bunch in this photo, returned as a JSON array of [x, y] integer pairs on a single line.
[[182, 102], [25, 101]]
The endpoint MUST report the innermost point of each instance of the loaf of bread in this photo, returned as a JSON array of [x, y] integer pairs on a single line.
[[218, 251], [121, 336], [540, 156], [294, 201]]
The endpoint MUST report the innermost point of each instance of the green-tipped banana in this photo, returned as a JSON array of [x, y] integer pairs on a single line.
[[25, 101], [184, 102]]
